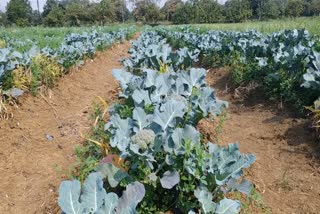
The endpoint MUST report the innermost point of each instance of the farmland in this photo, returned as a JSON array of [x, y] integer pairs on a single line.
[[178, 119], [51, 37], [30, 61], [310, 24]]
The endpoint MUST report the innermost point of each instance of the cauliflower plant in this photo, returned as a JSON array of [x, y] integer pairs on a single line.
[[143, 138]]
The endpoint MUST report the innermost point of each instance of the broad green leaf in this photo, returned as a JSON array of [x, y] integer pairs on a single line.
[[133, 194], [169, 111], [92, 193], [228, 206], [113, 174], [69, 194], [206, 200], [170, 179]]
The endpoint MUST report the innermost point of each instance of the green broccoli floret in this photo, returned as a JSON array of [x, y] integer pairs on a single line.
[[143, 138]]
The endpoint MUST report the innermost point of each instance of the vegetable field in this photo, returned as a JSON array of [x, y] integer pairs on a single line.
[[178, 120]]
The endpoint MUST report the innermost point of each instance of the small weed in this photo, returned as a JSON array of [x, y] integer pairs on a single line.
[[149, 108], [253, 203], [126, 111], [96, 145], [3, 43], [3, 108], [85, 162], [163, 68], [212, 128], [45, 71], [19, 78], [57, 169], [214, 60], [243, 72], [219, 128], [6, 101], [315, 111], [283, 183]]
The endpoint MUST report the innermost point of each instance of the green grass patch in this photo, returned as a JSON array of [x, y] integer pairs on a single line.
[[312, 24]]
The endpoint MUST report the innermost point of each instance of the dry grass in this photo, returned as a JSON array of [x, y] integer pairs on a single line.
[[5, 113]]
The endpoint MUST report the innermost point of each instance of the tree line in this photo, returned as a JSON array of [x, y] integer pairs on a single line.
[[210, 11], [84, 12]]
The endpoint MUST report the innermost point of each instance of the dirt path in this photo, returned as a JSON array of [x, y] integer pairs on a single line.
[[31, 166], [286, 172]]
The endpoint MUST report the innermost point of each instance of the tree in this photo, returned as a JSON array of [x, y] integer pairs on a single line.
[[77, 12], [55, 18], [19, 12], [169, 8], [185, 14], [208, 11], [106, 11], [3, 18], [48, 7], [237, 10], [282, 5], [35, 19], [315, 5], [311, 8], [254, 4], [121, 10], [294, 8], [268, 9], [198, 11], [147, 11], [307, 4], [153, 14]]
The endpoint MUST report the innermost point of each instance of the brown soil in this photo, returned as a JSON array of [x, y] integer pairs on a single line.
[[287, 170], [31, 166]]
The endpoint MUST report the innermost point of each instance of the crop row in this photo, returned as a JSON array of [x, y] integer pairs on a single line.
[[24, 38], [22, 67], [285, 63], [157, 160]]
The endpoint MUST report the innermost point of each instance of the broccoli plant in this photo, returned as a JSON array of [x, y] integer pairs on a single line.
[[93, 198], [151, 50], [285, 63], [157, 145]]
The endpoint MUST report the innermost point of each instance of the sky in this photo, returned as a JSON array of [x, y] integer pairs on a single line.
[[3, 3]]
